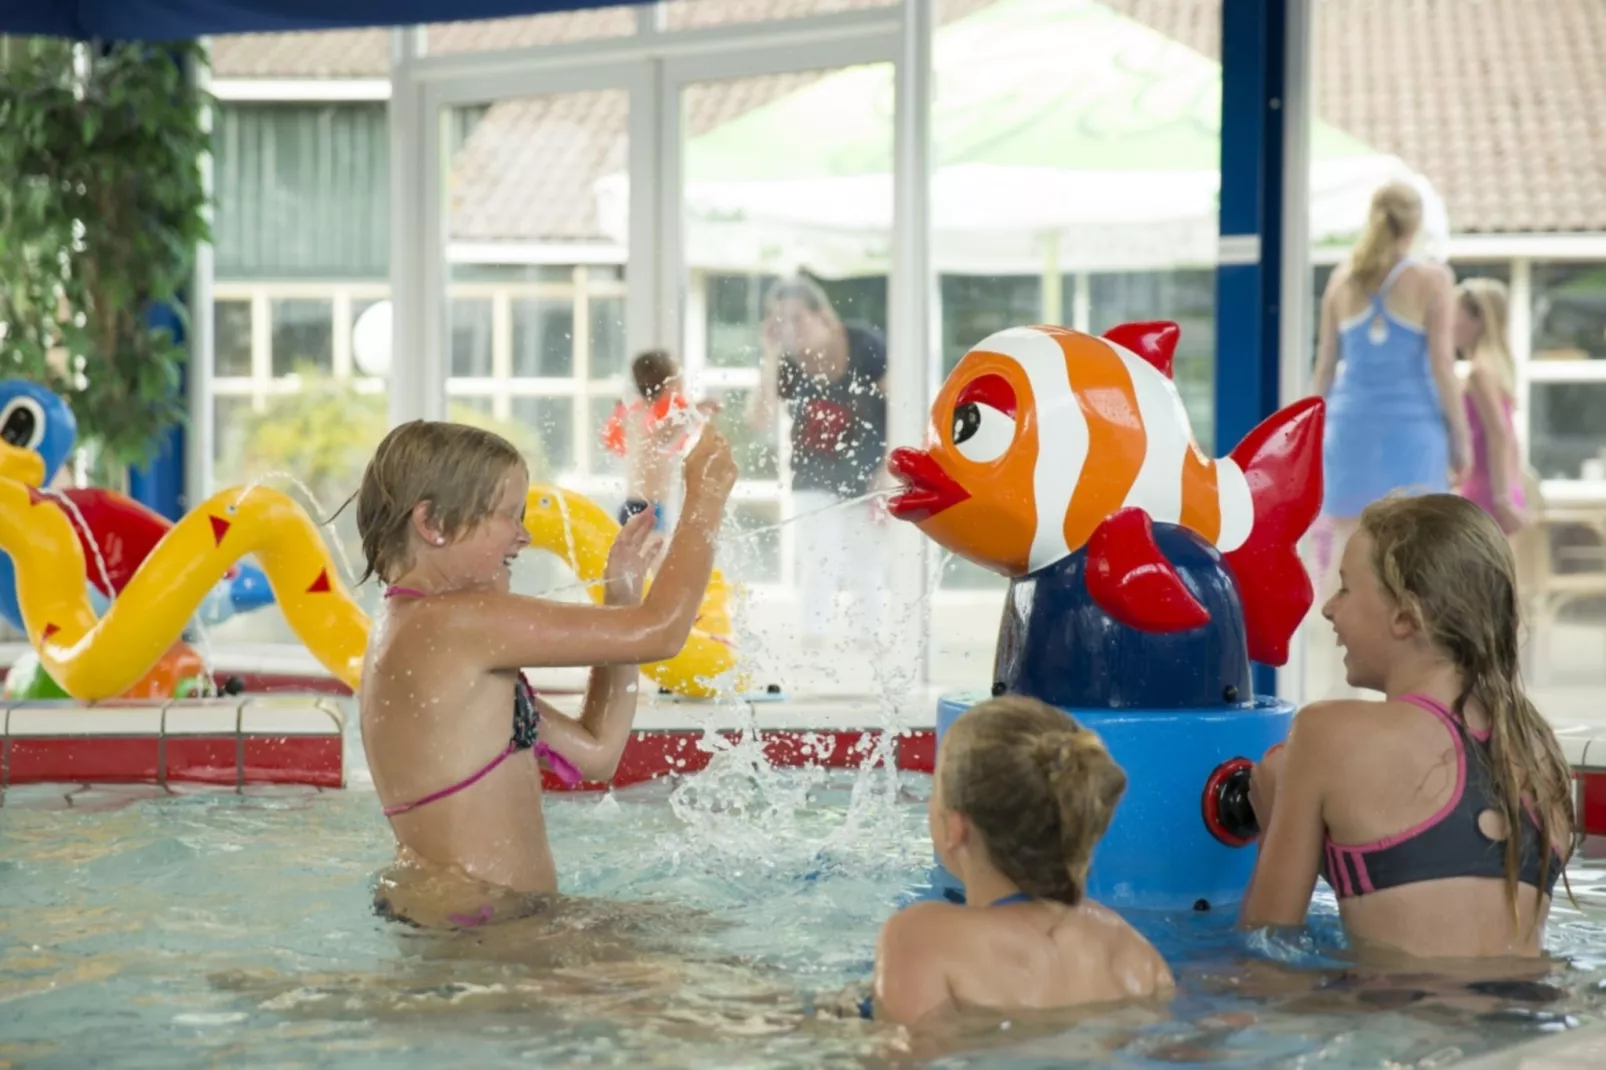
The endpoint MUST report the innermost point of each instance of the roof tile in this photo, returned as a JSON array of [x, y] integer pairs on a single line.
[[1501, 103]]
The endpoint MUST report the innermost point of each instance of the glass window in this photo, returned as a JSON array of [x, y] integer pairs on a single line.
[[763, 198], [735, 305], [975, 306], [750, 544], [303, 335], [230, 418], [463, 405], [543, 338], [471, 338], [551, 419], [608, 337], [231, 337], [604, 462], [756, 452], [1569, 315], [1567, 430], [1189, 298]]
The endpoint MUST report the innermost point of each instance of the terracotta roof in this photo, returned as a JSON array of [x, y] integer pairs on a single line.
[[1501, 103]]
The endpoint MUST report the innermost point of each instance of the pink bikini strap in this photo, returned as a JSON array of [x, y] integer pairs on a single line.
[[565, 769], [405, 592], [1443, 713], [402, 808]]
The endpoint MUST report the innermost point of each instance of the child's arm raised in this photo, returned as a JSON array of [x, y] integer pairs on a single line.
[[595, 742], [508, 631]]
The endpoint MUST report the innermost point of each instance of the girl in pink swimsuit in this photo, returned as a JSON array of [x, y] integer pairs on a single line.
[[446, 713], [1443, 815], [1495, 479]]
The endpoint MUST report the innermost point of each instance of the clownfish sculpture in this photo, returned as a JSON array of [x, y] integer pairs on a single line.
[[1045, 441]]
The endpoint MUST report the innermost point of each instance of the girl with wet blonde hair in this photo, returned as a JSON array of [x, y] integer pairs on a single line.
[[454, 734], [1495, 478], [1443, 815], [1021, 796], [1386, 365]]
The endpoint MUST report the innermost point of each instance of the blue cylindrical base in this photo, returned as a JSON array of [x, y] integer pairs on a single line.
[[1158, 853]]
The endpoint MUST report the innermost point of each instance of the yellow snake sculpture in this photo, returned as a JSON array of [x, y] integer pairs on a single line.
[[94, 659]]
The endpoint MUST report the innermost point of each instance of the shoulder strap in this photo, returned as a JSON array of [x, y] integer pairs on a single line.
[[1389, 279]]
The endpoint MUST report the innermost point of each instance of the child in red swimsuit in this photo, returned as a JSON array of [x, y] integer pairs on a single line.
[[650, 431], [445, 712]]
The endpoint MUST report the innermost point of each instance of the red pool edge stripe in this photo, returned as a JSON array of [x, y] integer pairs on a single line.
[[319, 760], [655, 753]]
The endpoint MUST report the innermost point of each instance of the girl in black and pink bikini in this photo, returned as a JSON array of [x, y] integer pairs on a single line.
[[1442, 816], [447, 716]]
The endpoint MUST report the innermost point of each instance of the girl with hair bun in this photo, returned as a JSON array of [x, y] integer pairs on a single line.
[[1021, 796]]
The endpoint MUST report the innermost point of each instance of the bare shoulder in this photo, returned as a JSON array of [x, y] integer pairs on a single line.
[[1333, 727], [1138, 964], [1435, 277], [917, 930]]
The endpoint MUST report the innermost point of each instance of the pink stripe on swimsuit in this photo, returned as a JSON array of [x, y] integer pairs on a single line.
[[1448, 844], [526, 722]]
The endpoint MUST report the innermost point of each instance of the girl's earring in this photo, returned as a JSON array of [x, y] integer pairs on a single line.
[[440, 540]]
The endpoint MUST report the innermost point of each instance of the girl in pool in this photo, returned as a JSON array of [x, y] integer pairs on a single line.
[[1442, 815], [1021, 796], [445, 709]]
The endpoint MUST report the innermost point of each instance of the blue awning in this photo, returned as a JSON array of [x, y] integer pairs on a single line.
[[176, 20]]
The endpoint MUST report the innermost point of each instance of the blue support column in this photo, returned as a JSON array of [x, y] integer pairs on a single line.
[[160, 484], [1248, 280]]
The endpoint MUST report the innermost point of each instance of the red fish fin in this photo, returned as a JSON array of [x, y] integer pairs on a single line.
[[1282, 462], [1154, 341], [1131, 580]]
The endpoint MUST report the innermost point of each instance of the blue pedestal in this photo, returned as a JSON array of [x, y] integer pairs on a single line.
[[1158, 853]]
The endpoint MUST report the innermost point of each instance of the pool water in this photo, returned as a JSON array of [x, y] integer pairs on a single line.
[[720, 918]]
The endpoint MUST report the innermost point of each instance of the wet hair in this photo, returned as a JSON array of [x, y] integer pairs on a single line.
[[1446, 564], [802, 289], [458, 469], [1039, 788], [651, 370], [1486, 301], [1396, 213]]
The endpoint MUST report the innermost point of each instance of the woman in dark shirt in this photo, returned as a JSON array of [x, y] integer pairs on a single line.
[[832, 375]]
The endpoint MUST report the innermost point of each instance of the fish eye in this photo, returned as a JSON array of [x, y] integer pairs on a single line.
[[22, 423], [984, 419]]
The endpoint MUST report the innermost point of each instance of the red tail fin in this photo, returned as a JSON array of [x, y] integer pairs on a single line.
[[1282, 462]]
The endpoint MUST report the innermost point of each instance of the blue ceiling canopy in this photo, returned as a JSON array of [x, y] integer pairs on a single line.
[[177, 20]]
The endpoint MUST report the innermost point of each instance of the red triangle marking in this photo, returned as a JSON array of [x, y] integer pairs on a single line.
[[50, 629], [220, 528], [321, 584]]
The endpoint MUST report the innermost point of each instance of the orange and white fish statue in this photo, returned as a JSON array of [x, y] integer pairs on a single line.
[[1045, 440]]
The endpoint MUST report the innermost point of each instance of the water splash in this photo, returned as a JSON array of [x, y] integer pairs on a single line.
[[78, 520], [317, 509]]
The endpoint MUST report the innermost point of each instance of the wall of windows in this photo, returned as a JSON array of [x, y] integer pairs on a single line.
[[573, 215]]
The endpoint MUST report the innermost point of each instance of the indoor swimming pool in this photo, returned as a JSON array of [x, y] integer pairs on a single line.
[[718, 920]]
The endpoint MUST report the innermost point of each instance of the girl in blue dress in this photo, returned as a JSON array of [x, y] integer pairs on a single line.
[[1385, 362]]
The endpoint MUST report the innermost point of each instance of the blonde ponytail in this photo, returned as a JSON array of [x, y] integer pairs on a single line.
[[1396, 213]]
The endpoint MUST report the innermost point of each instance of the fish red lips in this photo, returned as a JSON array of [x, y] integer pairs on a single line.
[[928, 490]]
